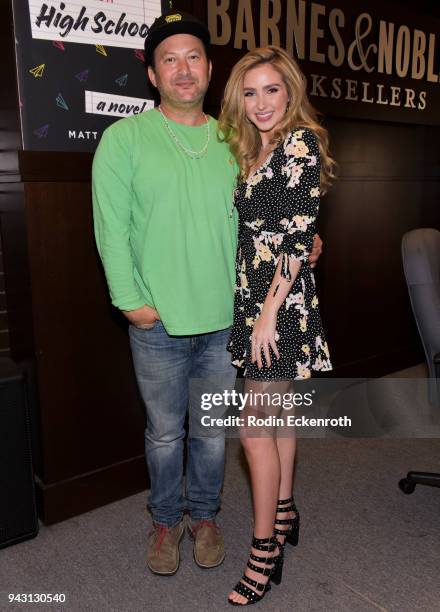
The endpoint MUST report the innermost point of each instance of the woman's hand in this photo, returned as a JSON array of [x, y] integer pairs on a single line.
[[263, 337], [145, 316], [316, 251]]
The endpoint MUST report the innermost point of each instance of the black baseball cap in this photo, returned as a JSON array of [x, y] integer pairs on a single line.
[[171, 23]]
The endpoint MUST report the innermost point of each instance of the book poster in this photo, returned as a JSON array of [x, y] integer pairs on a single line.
[[80, 67]]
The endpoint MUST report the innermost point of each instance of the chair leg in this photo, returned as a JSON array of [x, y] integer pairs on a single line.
[[408, 484], [432, 479]]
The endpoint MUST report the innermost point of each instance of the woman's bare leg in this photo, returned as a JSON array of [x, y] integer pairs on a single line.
[[286, 444], [261, 452]]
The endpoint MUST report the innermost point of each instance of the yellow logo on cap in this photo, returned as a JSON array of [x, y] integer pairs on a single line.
[[172, 18]]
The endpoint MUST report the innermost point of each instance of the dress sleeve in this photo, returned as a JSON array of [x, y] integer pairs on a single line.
[[301, 171]]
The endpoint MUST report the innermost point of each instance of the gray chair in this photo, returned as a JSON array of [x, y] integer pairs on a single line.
[[421, 264]]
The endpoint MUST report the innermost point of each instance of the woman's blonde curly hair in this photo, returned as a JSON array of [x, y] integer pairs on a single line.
[[244, 138]]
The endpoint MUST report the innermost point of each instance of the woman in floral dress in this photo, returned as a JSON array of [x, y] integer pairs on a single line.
[[277, 335]]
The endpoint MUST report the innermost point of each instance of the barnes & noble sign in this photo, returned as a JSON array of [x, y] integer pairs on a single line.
[[359, 58]]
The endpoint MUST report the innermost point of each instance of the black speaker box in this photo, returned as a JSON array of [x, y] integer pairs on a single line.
[[18, 516]]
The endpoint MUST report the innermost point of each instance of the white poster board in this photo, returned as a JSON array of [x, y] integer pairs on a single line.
[[114, 23]]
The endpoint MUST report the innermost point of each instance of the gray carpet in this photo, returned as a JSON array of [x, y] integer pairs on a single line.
[[364, 545]]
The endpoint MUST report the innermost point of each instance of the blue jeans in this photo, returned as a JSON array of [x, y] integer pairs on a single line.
[[172, 372]]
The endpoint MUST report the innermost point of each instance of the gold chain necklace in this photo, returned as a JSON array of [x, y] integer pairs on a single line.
[[189, 152]]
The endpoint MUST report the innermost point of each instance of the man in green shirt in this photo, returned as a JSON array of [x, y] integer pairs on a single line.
[[162, 196]]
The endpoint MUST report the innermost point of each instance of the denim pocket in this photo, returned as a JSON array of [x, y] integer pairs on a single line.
[[146, 326]]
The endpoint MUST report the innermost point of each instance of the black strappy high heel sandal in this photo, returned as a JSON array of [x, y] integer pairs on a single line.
[[291, 535], [266, 545]]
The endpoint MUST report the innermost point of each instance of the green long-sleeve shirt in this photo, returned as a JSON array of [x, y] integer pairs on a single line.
[[163, 222]]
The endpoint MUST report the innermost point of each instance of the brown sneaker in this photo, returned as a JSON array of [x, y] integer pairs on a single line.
[[163, 549], [209, 548]]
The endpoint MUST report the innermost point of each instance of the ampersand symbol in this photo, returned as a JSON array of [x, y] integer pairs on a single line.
[[357, 45]]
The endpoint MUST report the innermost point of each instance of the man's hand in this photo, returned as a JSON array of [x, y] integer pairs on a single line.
[[145, 316], [316, 251]]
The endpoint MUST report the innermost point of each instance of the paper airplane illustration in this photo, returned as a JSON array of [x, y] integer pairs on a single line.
[[61, 102], [38, 71], [140, 55], [59, 45], [82, 76], [101, 50], [42, 131], [122, 81]]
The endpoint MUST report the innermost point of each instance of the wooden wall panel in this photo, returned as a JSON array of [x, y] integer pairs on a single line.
[[80, 341], [388, 184]]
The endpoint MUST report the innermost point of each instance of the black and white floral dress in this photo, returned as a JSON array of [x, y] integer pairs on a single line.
[[278, 207]]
